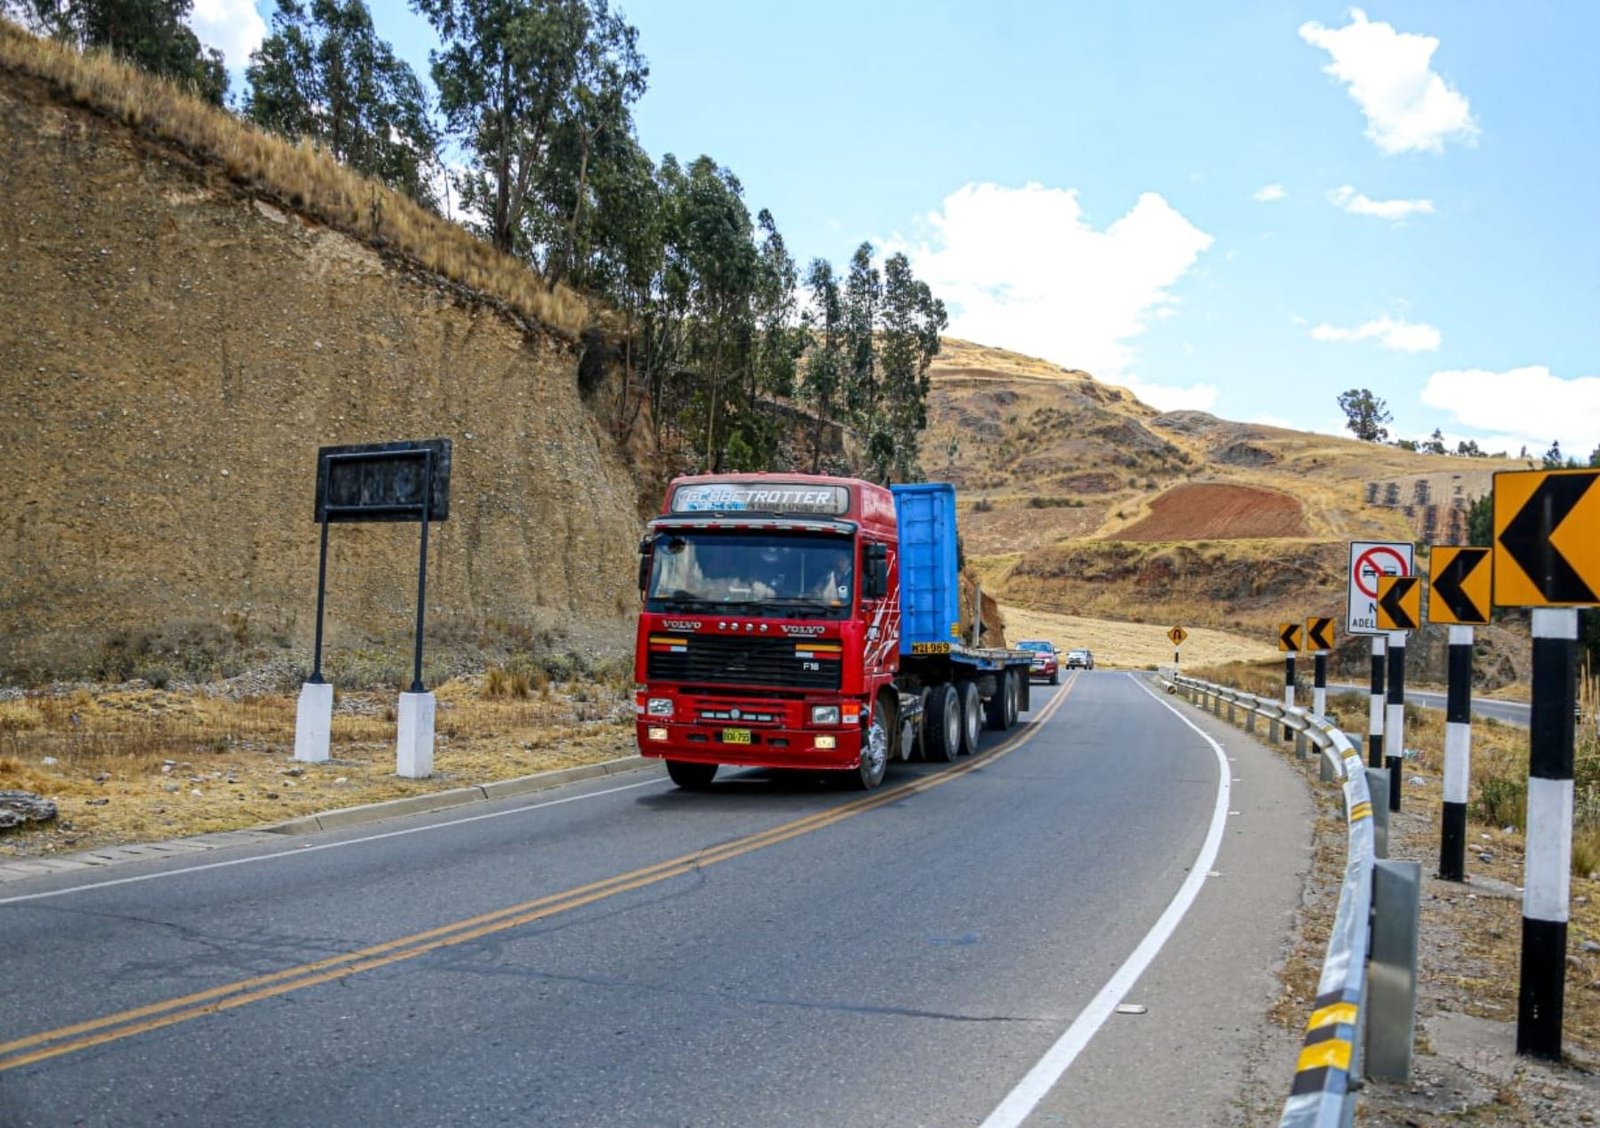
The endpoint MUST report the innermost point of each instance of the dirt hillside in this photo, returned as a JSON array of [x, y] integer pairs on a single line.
[[174, 351]]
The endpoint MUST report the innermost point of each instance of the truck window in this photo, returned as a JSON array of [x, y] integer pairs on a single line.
[[801, 575]]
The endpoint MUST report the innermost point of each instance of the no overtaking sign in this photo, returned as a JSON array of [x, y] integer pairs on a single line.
[[1368, 561]]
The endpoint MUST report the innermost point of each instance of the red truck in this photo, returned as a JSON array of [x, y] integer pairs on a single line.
[[810, 622]]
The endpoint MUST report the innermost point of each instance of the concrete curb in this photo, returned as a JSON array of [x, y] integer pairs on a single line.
[[455, 797], [20, 869]]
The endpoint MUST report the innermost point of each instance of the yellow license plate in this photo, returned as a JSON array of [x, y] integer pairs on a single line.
[[736, 736]]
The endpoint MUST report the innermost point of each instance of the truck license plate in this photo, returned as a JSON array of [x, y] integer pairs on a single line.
[[736, 736]]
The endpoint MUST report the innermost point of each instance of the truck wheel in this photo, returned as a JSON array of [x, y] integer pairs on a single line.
[[1013, 697], [994, 709], [941, 725], [874, 752], [691, 777], [971, 719]]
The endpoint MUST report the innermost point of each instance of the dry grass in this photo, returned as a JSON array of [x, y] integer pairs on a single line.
[[300, 176], [1136, 645], [1480, 933], [139, 764]]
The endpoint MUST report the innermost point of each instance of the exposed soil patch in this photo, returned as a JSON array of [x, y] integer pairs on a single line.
[[1213, 511]]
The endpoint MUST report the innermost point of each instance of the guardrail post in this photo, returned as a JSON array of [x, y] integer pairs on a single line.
[[1392, 974], [1299, 744], [1250, 721], [1378, 790], [1325, 770], [1230, 712], [1216, 704]]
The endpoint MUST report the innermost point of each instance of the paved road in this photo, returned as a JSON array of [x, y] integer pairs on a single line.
[[768, 952], [1511, 712]]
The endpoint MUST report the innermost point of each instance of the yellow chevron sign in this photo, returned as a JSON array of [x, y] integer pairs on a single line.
[[1399, 603]]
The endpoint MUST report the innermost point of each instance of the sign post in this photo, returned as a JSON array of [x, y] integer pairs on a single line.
[[1289, 643], [1177, 635], [1368, 561], [402, 481], [1319, 638], [1547, 557], [1459, 597], [1399, 612]]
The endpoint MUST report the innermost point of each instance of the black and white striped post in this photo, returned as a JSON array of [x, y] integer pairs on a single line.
[[1394, 726], [1457, 757], [1288, 681], [1548, 861], [1319, 685], [1375, 714]]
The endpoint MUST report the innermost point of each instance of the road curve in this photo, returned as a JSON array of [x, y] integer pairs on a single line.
[[621, 952]]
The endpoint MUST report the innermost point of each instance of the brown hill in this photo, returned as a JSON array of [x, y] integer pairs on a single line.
[[1078, 499]]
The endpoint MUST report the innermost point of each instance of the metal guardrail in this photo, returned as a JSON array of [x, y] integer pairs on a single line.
[[1329, 1069]]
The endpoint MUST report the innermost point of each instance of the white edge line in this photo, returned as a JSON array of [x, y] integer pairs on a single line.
[[308, 848], [1038, 1082]]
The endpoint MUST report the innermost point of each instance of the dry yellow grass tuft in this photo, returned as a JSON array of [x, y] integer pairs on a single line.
[[139, 764], [300, 176]]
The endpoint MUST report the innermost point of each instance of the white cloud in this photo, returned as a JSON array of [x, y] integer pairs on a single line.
[[1169, 397], [1357, 203], [234, 27], [1268, 193], [1023, 269], [1529, 405], [1401, 336], [1408, 107]]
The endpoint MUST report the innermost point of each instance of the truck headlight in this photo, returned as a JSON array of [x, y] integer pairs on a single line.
[[824, 714], [659, 707], [658, 733]]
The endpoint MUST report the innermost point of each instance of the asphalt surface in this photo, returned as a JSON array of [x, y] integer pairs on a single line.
[[769, 952], [1510, 712]]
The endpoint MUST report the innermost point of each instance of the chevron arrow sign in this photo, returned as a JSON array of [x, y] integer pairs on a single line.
[[1319, 634], [1460, 582], [1547, 538], [1289, 637], [1399, 603]]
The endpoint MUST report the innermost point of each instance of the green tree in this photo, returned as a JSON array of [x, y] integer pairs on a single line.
[[1594, 457], [530, 87], [1480, 520], [323, 74], [1468, 448], [863, 289], [1434, 444], [150, 34], [1553, 459], [912, 321], [821, 386], [1365, 415]]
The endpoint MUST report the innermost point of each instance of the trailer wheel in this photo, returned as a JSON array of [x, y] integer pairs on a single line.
[[691, 777], [971, 718], [1014, 681], [996, 708], [874, 751], [941, 725]]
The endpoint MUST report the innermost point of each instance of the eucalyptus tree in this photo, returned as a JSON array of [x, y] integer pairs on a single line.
[[153, 35], [863, 289], [822, 382], [323, 74], [518, 79], [912, 321]]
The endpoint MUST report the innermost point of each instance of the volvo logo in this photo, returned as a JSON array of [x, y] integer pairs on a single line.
[[804, 631], [681, 624]]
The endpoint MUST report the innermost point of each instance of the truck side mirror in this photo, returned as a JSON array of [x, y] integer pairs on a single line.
[[646, 556], [875, 581]]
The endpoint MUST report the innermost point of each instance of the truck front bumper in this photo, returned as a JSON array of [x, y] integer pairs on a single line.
[[835, 748]]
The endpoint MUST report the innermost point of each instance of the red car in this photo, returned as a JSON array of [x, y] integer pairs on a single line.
[[1046, 661]]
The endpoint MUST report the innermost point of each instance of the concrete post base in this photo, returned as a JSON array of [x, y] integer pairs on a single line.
[[313, 723], [414, 750]]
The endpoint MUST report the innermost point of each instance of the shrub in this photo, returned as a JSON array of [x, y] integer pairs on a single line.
[[1502, 801]]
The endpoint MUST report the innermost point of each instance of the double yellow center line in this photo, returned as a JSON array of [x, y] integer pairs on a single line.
[[124, 1024]]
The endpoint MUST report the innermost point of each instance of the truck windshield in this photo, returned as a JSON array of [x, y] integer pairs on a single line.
[[795, 576]]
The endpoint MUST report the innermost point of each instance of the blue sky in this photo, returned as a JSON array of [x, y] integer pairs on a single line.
[[1245, 207]]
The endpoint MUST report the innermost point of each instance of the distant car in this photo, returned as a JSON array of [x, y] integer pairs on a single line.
[[1046, 659], [1080, 659]]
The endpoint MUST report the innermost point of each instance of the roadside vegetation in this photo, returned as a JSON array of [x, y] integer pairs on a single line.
[[1471, 939]]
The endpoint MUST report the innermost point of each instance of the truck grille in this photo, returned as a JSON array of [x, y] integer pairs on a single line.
[[744, 661]]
